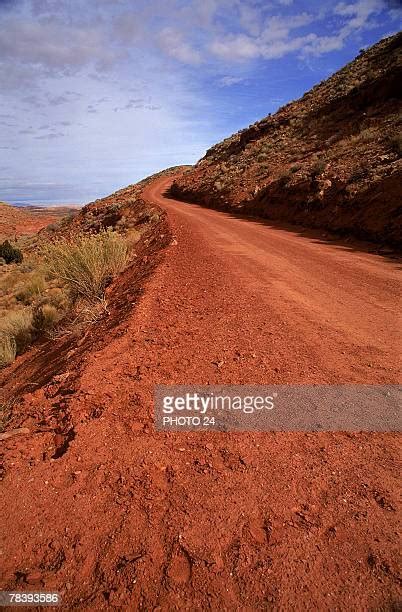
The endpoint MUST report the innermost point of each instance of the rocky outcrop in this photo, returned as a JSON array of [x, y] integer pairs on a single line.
[[331, 159]]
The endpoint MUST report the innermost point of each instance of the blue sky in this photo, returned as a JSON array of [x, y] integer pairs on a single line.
[[96, 94]]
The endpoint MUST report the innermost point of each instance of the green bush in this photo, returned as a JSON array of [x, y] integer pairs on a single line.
[[88, 263], [9, 253]]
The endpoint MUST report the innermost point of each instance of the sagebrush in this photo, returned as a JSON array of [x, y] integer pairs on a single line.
[[87, 263], [15, 334]]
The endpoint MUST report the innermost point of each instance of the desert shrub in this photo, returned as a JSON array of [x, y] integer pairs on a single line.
[[92, 312], [57, 297], [396, 144], [67, 219], [31, 290], [368, 135], [5, 412], [52, 227], [88, 263], [17, 326], [365, 136], [45, 316], [8, 349], [284, 177], [9, 253], [266, 147], [318, 167]]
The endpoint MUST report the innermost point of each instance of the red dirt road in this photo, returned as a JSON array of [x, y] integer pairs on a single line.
[[129, 518], [316, 312]]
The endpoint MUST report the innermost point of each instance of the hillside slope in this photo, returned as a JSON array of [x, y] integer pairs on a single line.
[[330, 159]]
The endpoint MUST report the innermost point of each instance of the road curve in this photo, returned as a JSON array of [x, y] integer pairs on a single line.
[[305, 310]]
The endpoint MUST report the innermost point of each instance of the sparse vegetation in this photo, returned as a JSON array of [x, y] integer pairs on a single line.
[[8, 349], [284, 177], [318, 167], [364, 136], [34, 288], [15, 334], [88, 263], [9, 253], [60, 286], [396, 144], [45, 316], [5, 413]]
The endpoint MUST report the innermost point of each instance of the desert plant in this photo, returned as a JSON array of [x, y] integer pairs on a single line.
[[88, 263], [396, 144], [9, 253], [368, 135], [295, 168], [284, 177], [45, 316], [8, 349], [90, 312], [31, 290], [5, 413], [318, 167], [17, 326]]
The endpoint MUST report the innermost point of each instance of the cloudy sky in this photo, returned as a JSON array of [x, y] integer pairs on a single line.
[[96, 94]]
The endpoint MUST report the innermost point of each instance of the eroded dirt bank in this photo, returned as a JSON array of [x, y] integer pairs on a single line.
[[130, 518]]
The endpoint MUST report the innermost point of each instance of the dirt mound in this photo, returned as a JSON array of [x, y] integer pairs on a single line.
[[329, 160]]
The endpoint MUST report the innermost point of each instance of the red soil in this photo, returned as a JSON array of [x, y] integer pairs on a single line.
[[116, 515]]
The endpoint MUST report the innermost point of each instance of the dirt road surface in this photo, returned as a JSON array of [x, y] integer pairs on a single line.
[[130, 518]]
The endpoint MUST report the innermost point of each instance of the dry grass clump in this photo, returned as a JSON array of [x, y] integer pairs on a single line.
[[8, 349], [45, 316], [396, 143], [32, 289], [88, 263], [15, 334]]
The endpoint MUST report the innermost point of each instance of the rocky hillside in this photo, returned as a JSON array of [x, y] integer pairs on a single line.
[[331, 159]]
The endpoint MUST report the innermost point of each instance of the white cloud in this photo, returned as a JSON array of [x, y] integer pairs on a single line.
[[275, 40], [239, 47], [358, 18], [53, 45], [228, 81], [173, 43]]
